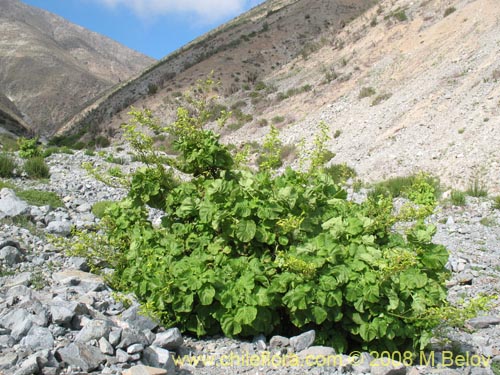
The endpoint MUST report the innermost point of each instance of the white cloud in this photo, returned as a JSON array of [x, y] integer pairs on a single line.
[[209, 10]]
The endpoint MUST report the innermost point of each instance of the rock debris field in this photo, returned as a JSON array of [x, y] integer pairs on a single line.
[[58, 318]]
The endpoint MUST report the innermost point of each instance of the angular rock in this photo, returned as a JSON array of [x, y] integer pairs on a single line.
[[362, 364], [79, 263], [170, 339], [8, 360], [10, 255], [38, 338], [130, 337], [106, 347], [137, 321], [10, 204], [94, 330], [144, 370], [386, 366], [87, 357], [279, 342], [121, 356], [302, 341], [135, 348], [158, 357], [29, 367], [115, 336], [63, 312], [316, 351], [61, 228], [483, 322], [85, 281], [23, 278]]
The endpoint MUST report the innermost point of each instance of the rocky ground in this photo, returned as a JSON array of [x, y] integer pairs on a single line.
[[57, 318]]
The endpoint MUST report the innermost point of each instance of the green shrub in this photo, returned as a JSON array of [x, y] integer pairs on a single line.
[[243, 252], [29, 148], [496, 202], [365, 92], [400, 186], [340, 173], [380, 98], [99, 208], [36, 168], [40, 198], [449, 11], [277, 119], [477, 189], [457, 198], [7, 165]]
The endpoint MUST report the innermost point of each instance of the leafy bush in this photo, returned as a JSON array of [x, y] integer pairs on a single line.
[[40, 198], [244, 252], [457, 198], [29, 148], [36, 168], [7, 165]]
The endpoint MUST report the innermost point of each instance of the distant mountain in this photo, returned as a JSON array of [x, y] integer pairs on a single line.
[[50, 68], [248, 49]]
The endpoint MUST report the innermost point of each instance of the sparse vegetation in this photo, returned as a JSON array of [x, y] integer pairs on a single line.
[[340, 172], [337, 133], [399, 14], [457, 198], [366, 92], [381, 98], [449, 11], [277, 119], [7, 165], [40, 198], [477, 188], [36, 167], [399, 186], [488, 221], [292, 92], [496, 202]]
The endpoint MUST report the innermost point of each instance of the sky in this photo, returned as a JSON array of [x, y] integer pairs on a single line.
[[153, 27]]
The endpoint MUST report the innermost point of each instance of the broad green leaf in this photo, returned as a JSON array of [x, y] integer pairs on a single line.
[[246, 315], [245, 230], [207, 295], [319, 314]]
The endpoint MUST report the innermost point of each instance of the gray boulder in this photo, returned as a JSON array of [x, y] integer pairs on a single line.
[[10, 204], [94, 330], [170, 339], [61, 228], [158, 357], [137, 321], [303, 341], [84, 356], [38, 338], [10, 255]]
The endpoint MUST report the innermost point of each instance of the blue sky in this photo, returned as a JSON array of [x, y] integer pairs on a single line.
[[153, 27]]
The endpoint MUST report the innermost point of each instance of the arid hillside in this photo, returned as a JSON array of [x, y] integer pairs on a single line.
[[49, 68], [404, 86]]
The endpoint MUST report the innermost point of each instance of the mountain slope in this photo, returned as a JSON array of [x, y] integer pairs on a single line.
[[405, 86], [11, 119], [244, 50], [50, 67]]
